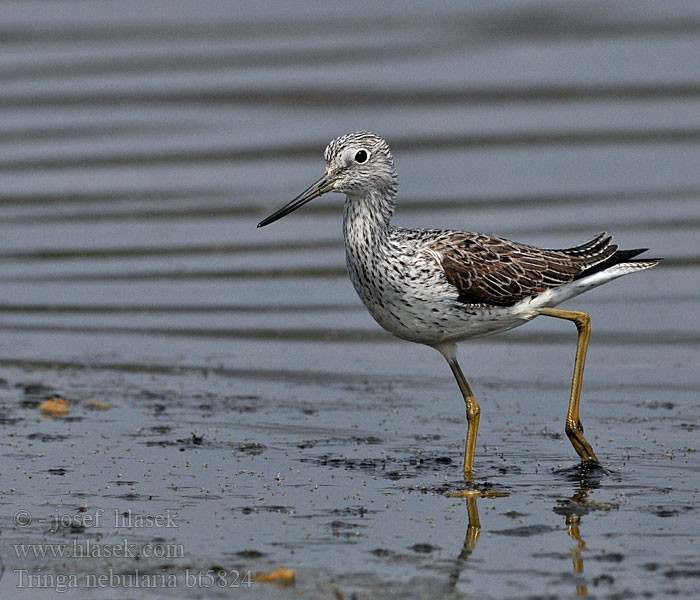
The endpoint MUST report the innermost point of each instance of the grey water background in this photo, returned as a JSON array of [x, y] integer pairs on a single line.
[[246, 389]]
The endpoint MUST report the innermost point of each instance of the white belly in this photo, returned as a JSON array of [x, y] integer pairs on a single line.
[[427, 311]]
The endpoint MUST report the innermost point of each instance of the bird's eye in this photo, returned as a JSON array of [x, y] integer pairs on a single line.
[[361, 156]]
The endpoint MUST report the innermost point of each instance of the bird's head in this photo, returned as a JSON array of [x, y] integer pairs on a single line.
[[355, 164]]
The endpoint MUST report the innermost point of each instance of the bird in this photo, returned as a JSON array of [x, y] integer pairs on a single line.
[[439, 287]]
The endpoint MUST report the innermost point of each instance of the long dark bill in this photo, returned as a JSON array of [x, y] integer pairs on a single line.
[[322, 186]]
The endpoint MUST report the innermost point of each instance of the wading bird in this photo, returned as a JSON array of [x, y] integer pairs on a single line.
[[438, 287]]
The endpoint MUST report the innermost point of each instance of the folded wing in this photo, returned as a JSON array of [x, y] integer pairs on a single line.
[[494, 271]]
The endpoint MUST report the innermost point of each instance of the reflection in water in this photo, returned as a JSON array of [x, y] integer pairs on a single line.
[[572, 528], [473, 530], [586, 478]]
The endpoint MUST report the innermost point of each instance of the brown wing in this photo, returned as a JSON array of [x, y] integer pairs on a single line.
[[491, 270]]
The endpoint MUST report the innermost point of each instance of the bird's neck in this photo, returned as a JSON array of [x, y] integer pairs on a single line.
[[366, 219]]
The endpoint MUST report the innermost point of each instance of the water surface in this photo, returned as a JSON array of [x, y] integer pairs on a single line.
[[230, 375]]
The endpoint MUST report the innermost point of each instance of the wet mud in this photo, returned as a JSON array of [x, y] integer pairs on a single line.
[[221, 482]]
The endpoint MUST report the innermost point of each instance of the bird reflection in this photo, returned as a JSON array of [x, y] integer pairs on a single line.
[[473, 530], [586, 479], [573, 521]]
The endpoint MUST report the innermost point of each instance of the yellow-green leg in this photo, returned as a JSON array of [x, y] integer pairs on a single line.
[[473, 410], [574, 428], [449, 351]]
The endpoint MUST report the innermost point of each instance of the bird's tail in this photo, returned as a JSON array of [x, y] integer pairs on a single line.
[[619, 264], [622, 259]]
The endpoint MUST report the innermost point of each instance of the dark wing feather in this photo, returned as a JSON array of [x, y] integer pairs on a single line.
[[491, 270]]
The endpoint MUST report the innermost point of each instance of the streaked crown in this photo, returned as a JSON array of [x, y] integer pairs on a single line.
[[359, 162]]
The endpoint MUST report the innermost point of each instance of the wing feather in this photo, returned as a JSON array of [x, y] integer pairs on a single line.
[[495, 271]]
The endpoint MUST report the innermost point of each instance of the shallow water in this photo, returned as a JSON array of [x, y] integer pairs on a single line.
[[229, 378]]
